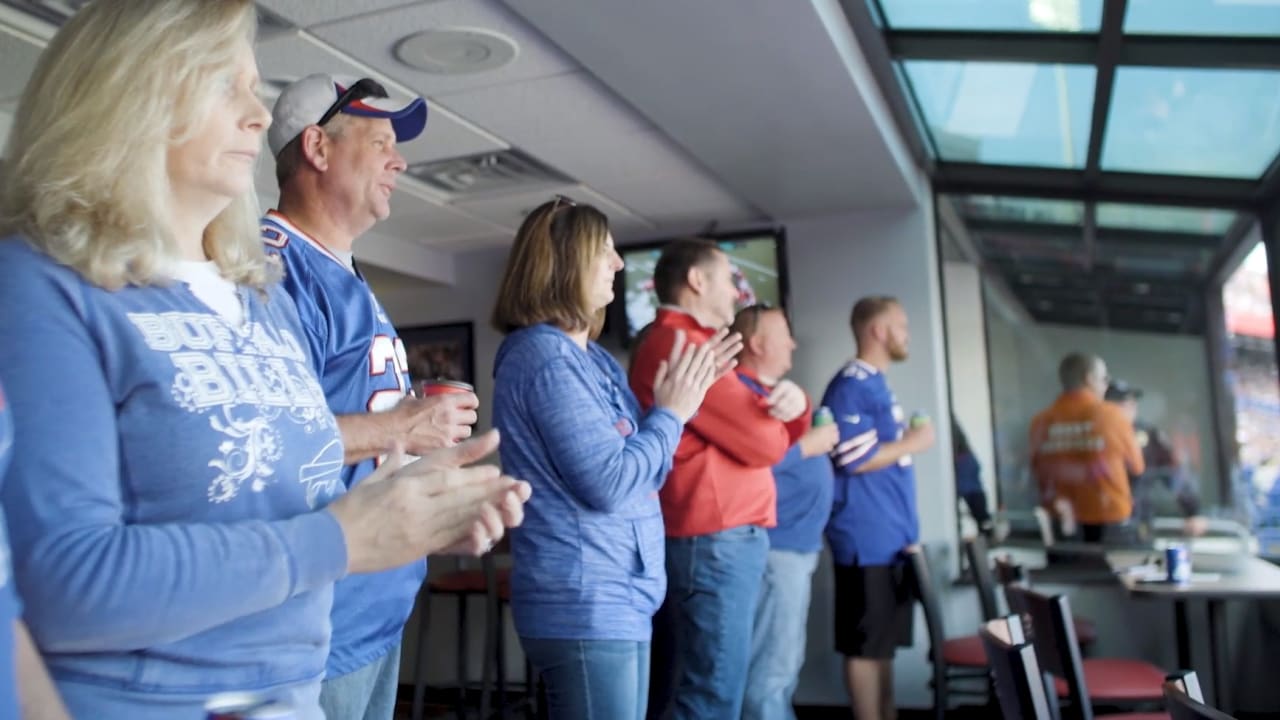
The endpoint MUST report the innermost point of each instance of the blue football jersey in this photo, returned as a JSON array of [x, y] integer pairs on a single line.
[[362, 367], [874, 514], [359, 358]]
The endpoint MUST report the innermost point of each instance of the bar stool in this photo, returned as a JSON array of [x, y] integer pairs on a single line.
[[493, 583]]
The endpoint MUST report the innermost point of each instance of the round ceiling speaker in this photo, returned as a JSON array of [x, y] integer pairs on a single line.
[[456, 51]]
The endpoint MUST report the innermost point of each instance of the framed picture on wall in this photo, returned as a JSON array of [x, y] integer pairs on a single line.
[[442, 351]]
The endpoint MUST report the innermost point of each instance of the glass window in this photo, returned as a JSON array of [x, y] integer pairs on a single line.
[[1018, 209], [1189, 121], [1031, 300], [1202, 17], [1005, 113], [1003, 15], [1164, 219], [1178, 262], [1250, 368]]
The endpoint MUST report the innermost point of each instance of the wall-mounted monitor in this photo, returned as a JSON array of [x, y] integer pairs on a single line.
[[758, 259]]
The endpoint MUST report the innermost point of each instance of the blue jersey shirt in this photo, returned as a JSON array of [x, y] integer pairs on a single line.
[[873, 513], [362, 367], [9, 608], [165, 490], [805, 488]]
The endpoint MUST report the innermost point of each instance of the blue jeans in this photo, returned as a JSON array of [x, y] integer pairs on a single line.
[[778, 638], [592, 679], [365, 694], [713, 582]]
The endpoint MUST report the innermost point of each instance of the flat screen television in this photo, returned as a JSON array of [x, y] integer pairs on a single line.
[[758, 259]]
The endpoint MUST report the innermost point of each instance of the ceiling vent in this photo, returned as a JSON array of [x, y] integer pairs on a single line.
[[498, 173]]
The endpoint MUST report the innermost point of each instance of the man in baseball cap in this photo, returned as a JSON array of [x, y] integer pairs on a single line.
[[1121, 392], [1163, 465], [337, 163]]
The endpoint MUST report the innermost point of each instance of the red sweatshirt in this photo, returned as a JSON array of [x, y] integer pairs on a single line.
[[722, 476]]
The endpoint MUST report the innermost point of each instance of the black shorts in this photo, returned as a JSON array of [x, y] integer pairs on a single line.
[[874, 610]]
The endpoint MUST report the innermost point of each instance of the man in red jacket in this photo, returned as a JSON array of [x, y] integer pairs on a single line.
[[718, 498]]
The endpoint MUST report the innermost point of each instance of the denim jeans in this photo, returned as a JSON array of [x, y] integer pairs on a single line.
[[713, 582], [778, 638], [365, 694], [592, 679]]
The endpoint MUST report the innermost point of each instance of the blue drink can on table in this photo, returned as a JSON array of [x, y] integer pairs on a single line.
[[1177, 563]]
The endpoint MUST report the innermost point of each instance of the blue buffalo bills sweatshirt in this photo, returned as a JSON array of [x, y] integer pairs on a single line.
[[165, 492]]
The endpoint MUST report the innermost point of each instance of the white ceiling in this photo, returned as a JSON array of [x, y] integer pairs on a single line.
[[667, 114]]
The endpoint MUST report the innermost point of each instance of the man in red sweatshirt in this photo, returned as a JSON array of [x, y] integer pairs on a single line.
[[718, 498]]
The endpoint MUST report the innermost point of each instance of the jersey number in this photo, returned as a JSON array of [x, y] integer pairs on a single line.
[[387, 353]]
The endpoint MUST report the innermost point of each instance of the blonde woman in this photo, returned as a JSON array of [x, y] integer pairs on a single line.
[[174, 459]]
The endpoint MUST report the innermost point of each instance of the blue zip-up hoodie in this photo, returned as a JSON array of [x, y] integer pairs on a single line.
[[589, 558], [10, 609], [163, 494]]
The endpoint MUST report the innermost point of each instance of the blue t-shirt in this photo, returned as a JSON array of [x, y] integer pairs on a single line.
[[162, 496], [805, 487], [873, 514], [589, 557], [968, 474], [362, 367], [9, 608]]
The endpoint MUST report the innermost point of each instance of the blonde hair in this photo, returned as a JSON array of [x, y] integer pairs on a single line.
[[87, 179], [549, 269]]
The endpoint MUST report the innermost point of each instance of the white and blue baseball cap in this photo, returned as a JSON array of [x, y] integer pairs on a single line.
[[315, 99]]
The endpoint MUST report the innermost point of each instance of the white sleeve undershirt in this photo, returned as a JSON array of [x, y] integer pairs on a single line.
[[208, 285]]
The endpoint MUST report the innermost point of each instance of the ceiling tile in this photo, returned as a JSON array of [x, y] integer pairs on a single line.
[[290, 56], [510, 210], [430, 224], [569, 107], [647, 174], [372, 39], [305, 13]]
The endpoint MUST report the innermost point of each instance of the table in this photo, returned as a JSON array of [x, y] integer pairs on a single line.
[[1241, 578]]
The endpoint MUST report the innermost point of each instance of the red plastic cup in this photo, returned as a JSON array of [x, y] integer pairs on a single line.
[[440, 386]]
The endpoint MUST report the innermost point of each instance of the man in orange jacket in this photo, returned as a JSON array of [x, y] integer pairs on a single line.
[[1084, 449], [718, 498]]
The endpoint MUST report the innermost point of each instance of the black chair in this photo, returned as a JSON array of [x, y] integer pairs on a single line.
[[1019, 685], [1185, 701], [1024, 692], [1010, 574], [1110, 681], [958, 663], [975, 551]]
